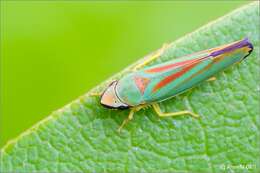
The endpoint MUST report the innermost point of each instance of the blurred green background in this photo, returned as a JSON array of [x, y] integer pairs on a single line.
[[53, 52]]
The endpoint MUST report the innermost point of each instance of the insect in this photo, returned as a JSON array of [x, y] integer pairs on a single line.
[[147, 86]]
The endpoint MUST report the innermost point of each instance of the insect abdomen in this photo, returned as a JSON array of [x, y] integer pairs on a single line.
[[178, 79], [166, 80]]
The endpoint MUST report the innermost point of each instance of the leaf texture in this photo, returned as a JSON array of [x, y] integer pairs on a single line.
[[82, 136]]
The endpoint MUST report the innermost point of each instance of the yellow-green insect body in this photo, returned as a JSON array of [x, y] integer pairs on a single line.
[[163, 81], [166, 80]]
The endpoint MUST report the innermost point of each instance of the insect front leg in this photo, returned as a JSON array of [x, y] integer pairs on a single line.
[[131, 115], [129, 118], [151, 57], [95, 94], [172, 114]]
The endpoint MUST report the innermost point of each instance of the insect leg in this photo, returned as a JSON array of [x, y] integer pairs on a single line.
[[211, 79], [129, 118], [172, 114], [131, 115], [151, 57], [95, 94]]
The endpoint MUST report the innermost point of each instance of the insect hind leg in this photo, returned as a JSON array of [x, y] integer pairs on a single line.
[[151, 57], [172, 114], [211, 79]]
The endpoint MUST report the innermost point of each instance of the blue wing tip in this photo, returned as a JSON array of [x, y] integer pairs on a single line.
[[242, 43], [247, 43]]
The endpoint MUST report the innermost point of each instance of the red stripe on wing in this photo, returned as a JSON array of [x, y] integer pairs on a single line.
[[166, 67], [141, 83], [174, 76]]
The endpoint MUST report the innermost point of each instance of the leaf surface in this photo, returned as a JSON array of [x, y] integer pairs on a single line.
[[82, 136]]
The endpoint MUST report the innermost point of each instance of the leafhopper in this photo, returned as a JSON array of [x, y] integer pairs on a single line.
[[146, 86]]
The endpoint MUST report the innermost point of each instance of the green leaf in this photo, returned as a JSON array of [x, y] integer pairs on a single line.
[[82, 136]]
